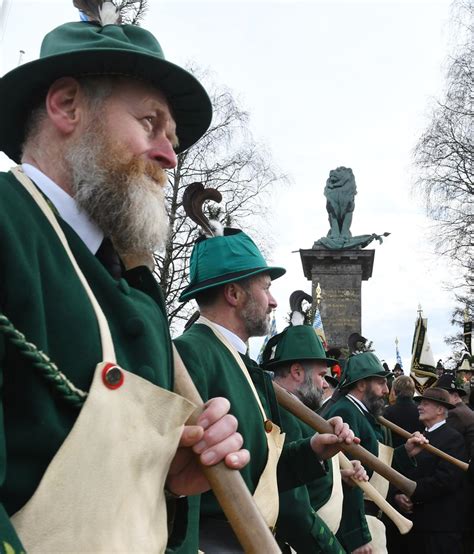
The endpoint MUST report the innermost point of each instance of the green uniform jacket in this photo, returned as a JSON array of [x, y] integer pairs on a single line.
[[353, 531], [298, 523], [42, 296], [216, 373]]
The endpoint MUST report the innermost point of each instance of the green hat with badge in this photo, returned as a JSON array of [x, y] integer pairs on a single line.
[[295, 343], [225, 259], [94, 48], [362, 366]]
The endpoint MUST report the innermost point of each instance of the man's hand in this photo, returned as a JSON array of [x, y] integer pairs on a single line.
[[357, 472], [327, 445], [404, 503], [413, 444], [365, 549], [214, 438]]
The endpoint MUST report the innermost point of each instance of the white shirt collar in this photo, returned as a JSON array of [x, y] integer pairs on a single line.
[[236, 341], [357, 402], [87, 230], [435, 426]]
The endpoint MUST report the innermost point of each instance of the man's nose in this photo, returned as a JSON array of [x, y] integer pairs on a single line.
[[163, 152], [272, 302]]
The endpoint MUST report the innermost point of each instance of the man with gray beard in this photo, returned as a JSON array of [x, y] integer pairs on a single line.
[[92, 441], [364, 386], [230, 281], [297, 358]]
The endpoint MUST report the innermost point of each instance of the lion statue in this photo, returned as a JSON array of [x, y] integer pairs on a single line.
[[340, 191]]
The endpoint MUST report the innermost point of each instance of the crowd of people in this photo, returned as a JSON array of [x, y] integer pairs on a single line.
[[96, 452]]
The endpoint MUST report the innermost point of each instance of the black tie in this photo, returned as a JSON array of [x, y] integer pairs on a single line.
[[108, 257]]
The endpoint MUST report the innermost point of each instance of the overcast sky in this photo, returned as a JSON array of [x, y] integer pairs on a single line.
[[326, 84]]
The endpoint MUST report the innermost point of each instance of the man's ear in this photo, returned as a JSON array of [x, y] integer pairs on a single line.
[[361, 385], [297, 372], [234, 294], [65, 104]]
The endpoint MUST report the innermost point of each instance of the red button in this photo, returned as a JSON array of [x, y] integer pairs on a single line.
[[112, 376]]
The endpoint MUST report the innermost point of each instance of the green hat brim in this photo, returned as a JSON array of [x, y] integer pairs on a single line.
[[192, 290], [296, 343], [383, 374], [329, 361], [21, 88]]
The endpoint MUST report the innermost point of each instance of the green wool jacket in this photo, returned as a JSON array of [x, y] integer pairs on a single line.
[[216, 373], [353, 531], [298, 523], [41, 295]]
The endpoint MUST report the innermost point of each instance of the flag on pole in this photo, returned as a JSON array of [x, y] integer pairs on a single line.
[[397, 354], [271, 333], [422, 362], [318, 327]]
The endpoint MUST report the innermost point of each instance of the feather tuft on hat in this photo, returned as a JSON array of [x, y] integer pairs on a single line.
[[99, 11]]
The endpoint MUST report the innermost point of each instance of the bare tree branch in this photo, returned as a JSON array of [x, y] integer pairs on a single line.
[[226, 158]]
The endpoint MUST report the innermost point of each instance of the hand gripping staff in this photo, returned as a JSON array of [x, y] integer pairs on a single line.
[[298, 409], [227, 484], [428, 447]]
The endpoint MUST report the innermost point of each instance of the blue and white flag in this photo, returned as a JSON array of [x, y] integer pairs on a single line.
[[272, 333], [318, 327]]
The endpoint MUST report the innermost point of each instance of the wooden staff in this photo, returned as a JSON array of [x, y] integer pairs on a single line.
[[403, 524], [428, 447], [227, 484], [297, 408]]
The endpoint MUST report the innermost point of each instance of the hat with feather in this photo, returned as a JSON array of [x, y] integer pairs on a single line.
[[362, 363], [298, 342], [448, 382], [220, 255], [100, 45]]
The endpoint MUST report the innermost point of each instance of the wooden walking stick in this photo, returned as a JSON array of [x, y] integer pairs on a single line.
[[297, 408], [403, 524], [428, 447], [227, 484]]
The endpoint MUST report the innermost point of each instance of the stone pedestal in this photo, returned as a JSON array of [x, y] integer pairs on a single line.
[[340, 274]]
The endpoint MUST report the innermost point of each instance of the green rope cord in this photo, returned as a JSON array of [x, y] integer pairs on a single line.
[[45, 367]]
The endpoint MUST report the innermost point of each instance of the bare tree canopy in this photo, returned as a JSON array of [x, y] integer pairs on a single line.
[[444, 153], [228, 159], [132, 11]]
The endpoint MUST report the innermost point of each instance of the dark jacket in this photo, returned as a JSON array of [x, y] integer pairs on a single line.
[[403, 413], [461, 418], [441, 495]]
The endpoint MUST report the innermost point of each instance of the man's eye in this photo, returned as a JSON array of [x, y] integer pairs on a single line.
[[149, 121]]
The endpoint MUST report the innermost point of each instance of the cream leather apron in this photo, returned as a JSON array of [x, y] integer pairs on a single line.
[[266, 493], [376, 527], [331, 512], [103, 491]]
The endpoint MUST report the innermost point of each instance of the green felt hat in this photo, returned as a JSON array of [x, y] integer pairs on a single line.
[[225, 259], [295, 343], [361, 366], [89, 49]]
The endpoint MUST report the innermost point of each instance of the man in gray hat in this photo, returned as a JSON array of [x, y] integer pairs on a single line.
[[439, 503], [89, 446]]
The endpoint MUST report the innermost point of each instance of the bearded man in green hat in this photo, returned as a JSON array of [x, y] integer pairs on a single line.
[[364, 388], [297, 358], [89, 446], [230, 280]]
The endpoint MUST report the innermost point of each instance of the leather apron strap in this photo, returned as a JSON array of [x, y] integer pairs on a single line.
[[104, 489], [266, 493]]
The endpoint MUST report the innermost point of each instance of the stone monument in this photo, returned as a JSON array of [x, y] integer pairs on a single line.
[[339, 263]]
